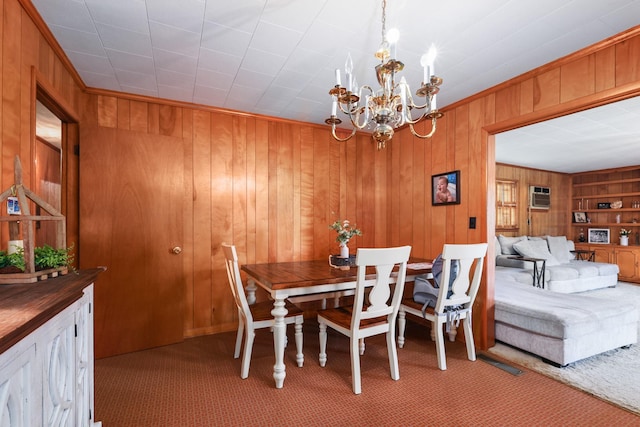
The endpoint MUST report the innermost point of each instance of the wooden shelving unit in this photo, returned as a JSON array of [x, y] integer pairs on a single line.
[[610, 186]]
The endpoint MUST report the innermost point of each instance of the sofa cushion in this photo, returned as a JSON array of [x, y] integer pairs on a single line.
[[563, 316], [506, 244], [535, 249], [559, 248]]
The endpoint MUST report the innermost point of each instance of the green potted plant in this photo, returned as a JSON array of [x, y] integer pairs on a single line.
[[46, 257], [12, 262]]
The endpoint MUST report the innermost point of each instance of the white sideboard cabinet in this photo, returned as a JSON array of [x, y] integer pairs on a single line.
[[47, 362]]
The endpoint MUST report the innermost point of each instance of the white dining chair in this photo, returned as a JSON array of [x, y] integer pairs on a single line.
[[454, 303], [376, 315], [256, 316]]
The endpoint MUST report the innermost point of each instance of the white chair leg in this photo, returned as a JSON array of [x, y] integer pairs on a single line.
[[442, 361], [336, 301], [402, 321], [468, 337], [298, 335], [323, 344], [393, 355], [246, 356], [361, 346], [324, 304], [236, 353], [355, 366]]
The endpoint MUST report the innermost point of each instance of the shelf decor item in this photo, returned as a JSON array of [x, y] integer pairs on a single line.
[[624, 237], [599, 235], [21, 224], [580, 217]]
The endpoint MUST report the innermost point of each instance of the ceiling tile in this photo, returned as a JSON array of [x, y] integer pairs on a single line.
[[275, 39], [225, 39], [136, 80], [78, 41], [129, 62], [174, 39], [184, 14], [175, 62], [213, 79], [66, 13], [219, 61], [128, 14], [242, 15], [263, 62], [124, 40], [176, 80]]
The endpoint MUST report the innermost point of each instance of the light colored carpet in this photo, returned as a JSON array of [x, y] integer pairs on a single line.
[[613, 376]]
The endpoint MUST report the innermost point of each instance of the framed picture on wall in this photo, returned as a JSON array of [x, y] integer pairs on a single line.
[[445, 188], [580, 217], [599, 235]]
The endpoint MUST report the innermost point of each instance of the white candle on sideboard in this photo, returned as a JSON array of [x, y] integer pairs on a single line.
[[13, 245]]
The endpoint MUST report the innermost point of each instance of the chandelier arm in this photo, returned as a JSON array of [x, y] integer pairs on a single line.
[[337, 138], [410, 119], [429, 135]]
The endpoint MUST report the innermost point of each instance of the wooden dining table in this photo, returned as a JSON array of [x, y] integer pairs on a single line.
[[289, 279]]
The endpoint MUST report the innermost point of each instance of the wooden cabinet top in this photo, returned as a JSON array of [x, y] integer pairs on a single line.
[[26, 306]]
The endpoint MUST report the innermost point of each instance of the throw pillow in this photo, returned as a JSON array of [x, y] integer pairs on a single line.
[[536, 249], [506, 244], [559, 248]]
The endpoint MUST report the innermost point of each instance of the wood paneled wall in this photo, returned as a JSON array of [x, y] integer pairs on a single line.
[[600, 74], [268, 186], [539, 222], [272, 187], [27, 57]]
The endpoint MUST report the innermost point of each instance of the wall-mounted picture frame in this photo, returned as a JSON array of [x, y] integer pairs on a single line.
[[599, 235], [580, 217], [445, 188]]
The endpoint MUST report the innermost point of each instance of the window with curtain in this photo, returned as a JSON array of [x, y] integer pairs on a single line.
[[506, 204]]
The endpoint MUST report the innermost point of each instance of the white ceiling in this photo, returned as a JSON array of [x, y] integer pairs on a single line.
[[277, 57], [600, 138]]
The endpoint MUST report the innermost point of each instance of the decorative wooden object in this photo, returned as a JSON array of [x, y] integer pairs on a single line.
[[26, 221]]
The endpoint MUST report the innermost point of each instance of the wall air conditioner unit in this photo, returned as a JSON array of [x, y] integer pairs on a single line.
[[539, 197]]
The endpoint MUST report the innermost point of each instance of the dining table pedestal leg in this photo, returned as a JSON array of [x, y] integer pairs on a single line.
[[279, 337]]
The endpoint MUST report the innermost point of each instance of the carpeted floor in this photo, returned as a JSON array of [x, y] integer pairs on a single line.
[[197, 383], [613, 375]]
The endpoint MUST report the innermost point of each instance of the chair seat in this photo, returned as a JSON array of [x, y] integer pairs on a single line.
[[262, 310], [341, 316], [412, 305]]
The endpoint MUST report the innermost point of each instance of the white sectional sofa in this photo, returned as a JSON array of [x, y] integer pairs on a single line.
[[560, 323], [563, 273], [561, 328]]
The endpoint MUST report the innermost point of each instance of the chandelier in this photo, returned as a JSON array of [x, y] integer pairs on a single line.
[[391, 105]]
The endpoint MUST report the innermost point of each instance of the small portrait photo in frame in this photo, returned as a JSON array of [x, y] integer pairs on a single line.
[[580, 217], [445, 188], [599, 235]]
